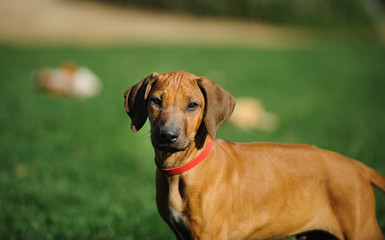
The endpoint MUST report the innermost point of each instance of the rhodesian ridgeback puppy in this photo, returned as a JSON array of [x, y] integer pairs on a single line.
[[207, 188]]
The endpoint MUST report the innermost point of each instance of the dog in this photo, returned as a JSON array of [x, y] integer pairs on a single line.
[[68, 80], [250, 114], [207, 188]]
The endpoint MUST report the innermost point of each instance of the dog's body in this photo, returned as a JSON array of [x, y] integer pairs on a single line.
[[245, 191]]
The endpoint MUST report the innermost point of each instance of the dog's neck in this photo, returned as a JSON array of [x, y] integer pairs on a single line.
[[177, 159]]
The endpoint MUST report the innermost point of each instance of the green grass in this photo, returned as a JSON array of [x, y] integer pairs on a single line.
[[74, 170]]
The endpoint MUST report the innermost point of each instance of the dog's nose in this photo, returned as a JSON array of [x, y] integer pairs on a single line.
[[168, 135]]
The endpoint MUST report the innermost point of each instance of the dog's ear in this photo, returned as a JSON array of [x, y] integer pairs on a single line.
[[219, 105], [135, 102]]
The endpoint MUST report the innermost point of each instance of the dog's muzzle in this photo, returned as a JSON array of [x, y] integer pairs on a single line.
[[169, 139]]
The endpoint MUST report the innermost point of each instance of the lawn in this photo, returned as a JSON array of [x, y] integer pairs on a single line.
[[73, 169]]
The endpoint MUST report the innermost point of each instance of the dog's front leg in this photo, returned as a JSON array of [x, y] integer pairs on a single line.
[[210, 230], [210, 236]]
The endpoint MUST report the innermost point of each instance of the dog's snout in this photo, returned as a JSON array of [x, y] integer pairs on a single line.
[[169, 135]]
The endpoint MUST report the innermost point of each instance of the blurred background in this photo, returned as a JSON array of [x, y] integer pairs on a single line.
[[70, 168]]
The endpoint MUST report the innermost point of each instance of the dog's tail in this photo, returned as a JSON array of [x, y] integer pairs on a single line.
[[375, 178]]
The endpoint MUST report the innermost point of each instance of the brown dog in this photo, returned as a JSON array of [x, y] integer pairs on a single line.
[[214, 189]]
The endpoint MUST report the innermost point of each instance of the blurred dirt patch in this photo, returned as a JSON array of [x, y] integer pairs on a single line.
[[90, 23]]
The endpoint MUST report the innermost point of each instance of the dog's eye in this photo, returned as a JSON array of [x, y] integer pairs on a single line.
[[156, 101], [192, 106]]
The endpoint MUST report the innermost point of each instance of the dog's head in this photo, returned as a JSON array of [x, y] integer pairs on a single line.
[[181, 108]]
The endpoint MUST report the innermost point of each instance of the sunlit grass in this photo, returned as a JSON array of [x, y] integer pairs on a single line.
[[73, 169]]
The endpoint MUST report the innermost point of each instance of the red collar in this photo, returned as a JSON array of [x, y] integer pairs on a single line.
[[189, 165]]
